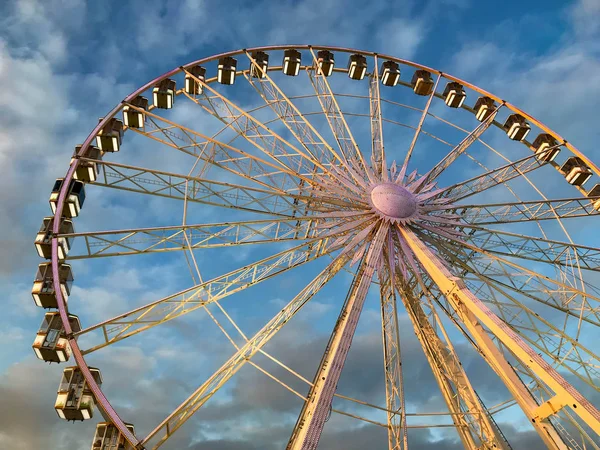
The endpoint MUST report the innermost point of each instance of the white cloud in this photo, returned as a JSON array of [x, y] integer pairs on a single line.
[[400, 37]]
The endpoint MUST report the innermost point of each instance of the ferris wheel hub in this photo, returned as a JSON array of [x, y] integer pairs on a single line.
[[393, 200]]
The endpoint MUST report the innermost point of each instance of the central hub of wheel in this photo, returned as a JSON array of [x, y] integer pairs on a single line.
[[393, 200]]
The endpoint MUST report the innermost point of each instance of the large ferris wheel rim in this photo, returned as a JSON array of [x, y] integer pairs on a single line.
[[101, 400]]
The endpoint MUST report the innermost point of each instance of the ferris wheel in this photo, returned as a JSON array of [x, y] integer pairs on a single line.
[[452, 203]]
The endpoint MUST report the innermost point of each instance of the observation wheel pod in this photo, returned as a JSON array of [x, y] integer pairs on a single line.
[[422, 82], [226, 70], [357, 67], [454, 94], [110, 136], [390, 73], [43, 292], [595, 192], [191, 85], [576, 171], [325, 62], [43, 239], [74, 200], [108, 437], [292, 60], [542, 147], [484, 107], [163, 94], [87, 171], [74, 400], [517, 127], [51, 343], [262, 59], [136, 119]]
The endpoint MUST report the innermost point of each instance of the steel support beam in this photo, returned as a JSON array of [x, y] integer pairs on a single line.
[[475, 315], [311, 421], [392, 359]]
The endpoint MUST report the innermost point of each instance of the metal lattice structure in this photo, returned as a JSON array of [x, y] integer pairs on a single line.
[[439, 232]]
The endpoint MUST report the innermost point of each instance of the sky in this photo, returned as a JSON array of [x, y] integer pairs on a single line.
[[64, 64]]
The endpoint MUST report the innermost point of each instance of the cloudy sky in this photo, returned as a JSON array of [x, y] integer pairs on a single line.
[[64, 64]]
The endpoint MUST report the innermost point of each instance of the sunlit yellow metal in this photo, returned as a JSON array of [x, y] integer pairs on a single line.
[[472, 422], [474, 315], [550, 407]]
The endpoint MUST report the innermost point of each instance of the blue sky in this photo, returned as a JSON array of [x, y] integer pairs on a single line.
[[64, 64]]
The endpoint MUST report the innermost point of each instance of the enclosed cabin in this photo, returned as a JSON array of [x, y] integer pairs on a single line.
[[292, 60], [43, 292], [51, 343], [108, 437], [576, 171], [516, 127], [109, 138], [422, 82], [226, 70], [87, 171], [163, 94], [325, 62], [454, 95], [545, 147], [357, 67], [192, 85], [484, 108], [135, 118], [75, 400], [43, 240], [73, 201], [258, 69], [595, 192], [390, 73]]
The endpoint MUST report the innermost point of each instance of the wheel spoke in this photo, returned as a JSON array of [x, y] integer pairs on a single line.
[[535, 248], [491, 178], [250, 167], [163, 239], [511, 212], [176, 305], [180, 187], [338, 124], [293, 119], [462, 147], [183, 412], [377, 143], [419, 128], [255, 132]]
